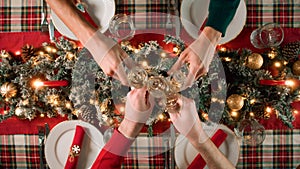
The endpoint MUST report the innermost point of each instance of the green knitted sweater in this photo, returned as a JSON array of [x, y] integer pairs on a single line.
[[221, 13]]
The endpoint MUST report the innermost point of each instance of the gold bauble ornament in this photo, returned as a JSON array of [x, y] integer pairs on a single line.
[[20, 112], [296, 68], [235, 102], [254, 61], [8, 90]]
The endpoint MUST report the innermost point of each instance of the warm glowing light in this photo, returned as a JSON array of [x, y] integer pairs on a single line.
[[295, 112], [213, 99], [234, 114], [42, 115], [277, 64], [223, 49], [251, 114], [48, 49], [205, 116], [5, 111], [227, 59], [122, 109], [75, 112], [163, 55], [252, 101], [175, 49], [290, 83], [41, 53], [136, 51], [144, 64], [268, 109], [272, 55], [92, 101], [55, 102], [161, 117], [18, 52], [285, 62], [68, 105], [37, 83], [69, 55]]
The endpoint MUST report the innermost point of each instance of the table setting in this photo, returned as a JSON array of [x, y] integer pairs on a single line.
[[59, 108]]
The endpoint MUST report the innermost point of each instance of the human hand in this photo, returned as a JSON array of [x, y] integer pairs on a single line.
[[198, 56], [139, 105], [109, 56], [187, 122]]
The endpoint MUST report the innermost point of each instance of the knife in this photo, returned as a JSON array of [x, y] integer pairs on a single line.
[[47, 129], [177, 20], [51, 30]]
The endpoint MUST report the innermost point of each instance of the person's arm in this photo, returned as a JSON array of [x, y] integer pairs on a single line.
[[73, 19], [187, 122], [200, 53], [138, 108], [213, 157], [112, 154], [106, 52]]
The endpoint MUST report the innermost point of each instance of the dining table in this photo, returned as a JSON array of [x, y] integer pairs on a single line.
[[21, 24]]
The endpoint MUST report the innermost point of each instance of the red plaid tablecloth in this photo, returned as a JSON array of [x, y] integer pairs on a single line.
[[280, 150], [19, 152], [25, 15], [150, 153]]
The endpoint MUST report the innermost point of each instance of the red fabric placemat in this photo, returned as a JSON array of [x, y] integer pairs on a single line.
[[14, 125]]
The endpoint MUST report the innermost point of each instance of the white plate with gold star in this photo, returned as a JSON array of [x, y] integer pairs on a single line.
[[59, 140], [195, 12], [101, 11]]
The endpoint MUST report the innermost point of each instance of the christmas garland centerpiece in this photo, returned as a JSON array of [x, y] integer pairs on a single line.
[[59, 79], [107, 96], [34, 81]]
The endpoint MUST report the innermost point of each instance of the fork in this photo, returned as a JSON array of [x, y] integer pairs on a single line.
[[44, 23], [41, 131]]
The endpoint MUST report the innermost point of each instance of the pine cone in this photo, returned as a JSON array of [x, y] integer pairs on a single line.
[[28, 51], [291, 50]]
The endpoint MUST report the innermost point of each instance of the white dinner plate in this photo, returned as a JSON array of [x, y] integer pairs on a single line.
[[185, 153], [195, 12], [101, 11], [60, 138]]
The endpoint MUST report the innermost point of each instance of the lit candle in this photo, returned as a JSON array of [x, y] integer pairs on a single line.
[[290, 83], [272, 82], [55, 83]]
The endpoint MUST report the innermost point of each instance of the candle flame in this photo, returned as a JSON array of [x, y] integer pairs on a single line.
[[38, 83], [290, 83]]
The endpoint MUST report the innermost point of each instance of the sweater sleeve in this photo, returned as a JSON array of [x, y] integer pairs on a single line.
[[112, 154], [221, 13]]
